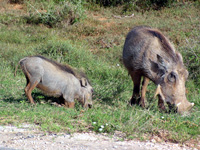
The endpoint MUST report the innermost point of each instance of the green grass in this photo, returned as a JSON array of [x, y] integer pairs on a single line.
[[94, 45]]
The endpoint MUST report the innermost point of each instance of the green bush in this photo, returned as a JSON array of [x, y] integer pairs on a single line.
[[16, 1], [154, 4], [109, 2], [192, 60], [130, 5], [55, 13], [143, 4]]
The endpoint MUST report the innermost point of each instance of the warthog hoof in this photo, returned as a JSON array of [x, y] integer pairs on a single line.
[[142, 103], [134, 101], [90, 105]]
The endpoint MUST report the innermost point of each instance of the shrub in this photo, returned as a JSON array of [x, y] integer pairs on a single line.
[[192, 60], [57, 12], [109, 2], [153, 4], [139, 5], [16, 1], [144, 4]]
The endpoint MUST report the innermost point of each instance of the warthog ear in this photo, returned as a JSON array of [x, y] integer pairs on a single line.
[[83, 82], [159, 66], [160, 60]]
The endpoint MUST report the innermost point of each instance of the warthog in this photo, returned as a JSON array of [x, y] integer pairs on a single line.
[[57, 80], [149, 54]]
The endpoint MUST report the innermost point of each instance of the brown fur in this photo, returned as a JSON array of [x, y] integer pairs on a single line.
[[164, 42], [149, 54]]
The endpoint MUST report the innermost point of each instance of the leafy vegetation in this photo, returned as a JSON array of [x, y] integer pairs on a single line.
[[139, 5], [94, 45], [53, 13]]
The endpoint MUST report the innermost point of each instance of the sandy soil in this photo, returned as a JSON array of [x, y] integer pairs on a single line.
[[30, 138]]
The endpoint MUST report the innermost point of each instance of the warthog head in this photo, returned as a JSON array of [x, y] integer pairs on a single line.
[[171, 84], [86, 93]]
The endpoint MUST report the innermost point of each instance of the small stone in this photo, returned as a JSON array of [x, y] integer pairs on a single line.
[[29, 136], [114, 146], [19, 134]]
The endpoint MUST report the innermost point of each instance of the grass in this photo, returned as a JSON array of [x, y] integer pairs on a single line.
[[94, 45]]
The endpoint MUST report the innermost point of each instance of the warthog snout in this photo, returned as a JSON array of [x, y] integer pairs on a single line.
[[90, 105], [183, 107], [179, 105], [87, 102], [87, 92], [87, 105]]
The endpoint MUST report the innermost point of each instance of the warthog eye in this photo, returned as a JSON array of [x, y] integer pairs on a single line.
[[172, 77]]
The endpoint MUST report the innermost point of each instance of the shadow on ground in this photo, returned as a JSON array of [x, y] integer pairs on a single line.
[[38, 98]]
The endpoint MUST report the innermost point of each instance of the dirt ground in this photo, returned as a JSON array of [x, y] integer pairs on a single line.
[[28, 137]]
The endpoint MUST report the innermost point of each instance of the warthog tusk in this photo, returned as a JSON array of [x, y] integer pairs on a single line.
[[178, 104], [158, 91], [192, 104]]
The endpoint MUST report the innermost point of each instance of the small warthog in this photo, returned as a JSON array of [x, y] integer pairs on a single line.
[[148, 53], [56, 80]]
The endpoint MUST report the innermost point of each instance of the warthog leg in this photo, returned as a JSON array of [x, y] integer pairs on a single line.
[[29, 88], [136, 90], [161, 104], [30, 85], [144, 89], [161, 98]]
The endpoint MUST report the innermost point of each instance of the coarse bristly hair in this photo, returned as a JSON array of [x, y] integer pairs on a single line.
[[168, 47], [67, 68]]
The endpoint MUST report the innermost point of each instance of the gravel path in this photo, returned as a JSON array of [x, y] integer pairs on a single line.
[[29, 138]]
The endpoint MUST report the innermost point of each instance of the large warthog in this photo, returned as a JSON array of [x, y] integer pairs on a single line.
[[56, 80], [148, 53]]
